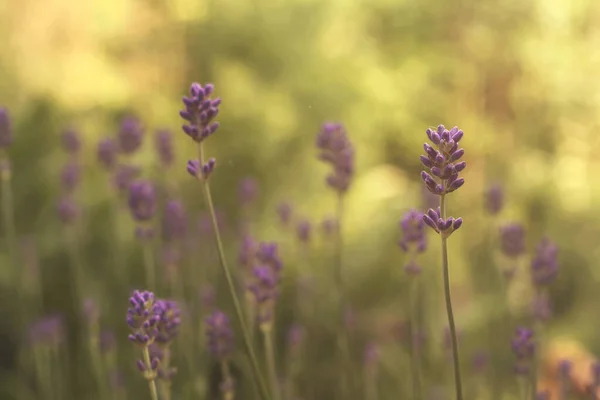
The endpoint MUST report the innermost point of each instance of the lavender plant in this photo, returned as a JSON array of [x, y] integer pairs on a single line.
[[523, 346], [142, 203], [442, 161], [220, 344], [200, 112]]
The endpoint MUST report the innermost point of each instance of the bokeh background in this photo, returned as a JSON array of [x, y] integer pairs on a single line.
[[522, 79]]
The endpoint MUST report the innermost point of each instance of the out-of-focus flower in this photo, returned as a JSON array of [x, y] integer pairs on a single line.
[[336, 150], [130, 135]]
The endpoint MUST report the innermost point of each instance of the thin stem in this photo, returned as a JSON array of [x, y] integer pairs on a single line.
[[457, 380], [97, 361], [414, 351], [343, 340], [149, 265], [8, 217], [229, 393], [150, 376], [270, 356], [165, 384], [264, 392], [76, 263]]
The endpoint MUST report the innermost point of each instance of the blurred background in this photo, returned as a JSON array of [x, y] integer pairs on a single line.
[[522, 79]]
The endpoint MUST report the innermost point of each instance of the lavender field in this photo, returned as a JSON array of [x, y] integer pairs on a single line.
[[299, 200]]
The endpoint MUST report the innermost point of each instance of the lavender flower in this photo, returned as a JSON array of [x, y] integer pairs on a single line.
[[199, 171], [6, 134], [413, 229], [130, 135], [142, 200], [200, 111], [285, 211], [494, 199], [268, 254], [540, 307], [303, 231], [142, 318], [106, 152], [163, 141], [442, 161], [336, 150], [70, 176], [265, 290], [174, 225], [48, 331], [512, 240], [523, 347], [247, 191], [219, 335], [167, 327], [544, 266], [68, 211], [247, 253], [71, 142], [446, 227]]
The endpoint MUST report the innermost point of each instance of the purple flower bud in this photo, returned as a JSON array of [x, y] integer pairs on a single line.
[[523, 347], [200, 110], [455, 185], [141, 366], [164, 147], [303, 231], [130, 135], [247, 191], [174, 226], [208, 168], [512, 240], [426, 162], [544, 266], [337, 151], [71, 142], [219, 335], [193, 167], [106, 153], [124, 176], [284, 210], [413, 229], [6, 133], [457, 155], [70, 176], [142, 200], [457, 223], [68, 211]]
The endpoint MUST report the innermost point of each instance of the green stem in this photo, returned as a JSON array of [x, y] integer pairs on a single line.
[[414, 353], [149, 265], [264, 392], [8, 216], [450, 313], [165, 384], [97, 361], [226, 376], [270, 356], [76, 263], [151, 374], [343, 340]]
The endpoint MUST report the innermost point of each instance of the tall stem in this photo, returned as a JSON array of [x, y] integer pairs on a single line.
[[149, 265], [270, 356], [264, 392], [8, 218], [449, 312], [343, 340], [414, 351], [151, 379]]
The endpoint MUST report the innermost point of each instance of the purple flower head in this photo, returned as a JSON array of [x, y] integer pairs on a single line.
[[68, 210], [130, 135], [329, 226], [106, 152], [6, 134], [200, 112], [142, 318], [413, 229], [565, 367], [70, 176], [295, 337], [90, 311], [247, 191], [48, 331], [512, 240], [303, 230], [174, 221], [169, 319], [199, 171], [442, 160], [371, 355], [523, 347], [544, 266], [124, 175], [142, 200], [219, 335], [108, 341], [247, 253], [267, 253], [480, 361], [284, 210], [540, 306], [163, 142], [264, 287], [434, 220], [71, 141], [494, 199], [336, 150], [157, 353]]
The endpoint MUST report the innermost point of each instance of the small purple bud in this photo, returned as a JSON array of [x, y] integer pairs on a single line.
[[455, 185], [457, 223], [460, 166], [457, 155], [106, 153], [141, 366], [208, 168], [457, 135], [427, 219], [70, 142], [193, 167], [426, 162]]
